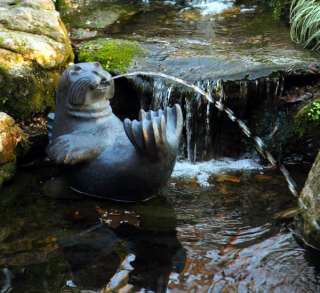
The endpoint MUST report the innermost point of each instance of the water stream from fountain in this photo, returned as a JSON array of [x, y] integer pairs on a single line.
[[258, 142]]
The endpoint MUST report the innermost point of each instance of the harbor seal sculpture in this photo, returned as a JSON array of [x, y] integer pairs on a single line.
[[103, 156]]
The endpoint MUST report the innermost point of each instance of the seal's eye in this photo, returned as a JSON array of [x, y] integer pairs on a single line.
[[97, 64]]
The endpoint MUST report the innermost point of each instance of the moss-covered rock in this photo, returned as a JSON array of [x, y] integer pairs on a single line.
[[307, 119], [114, 55], [34, 49]]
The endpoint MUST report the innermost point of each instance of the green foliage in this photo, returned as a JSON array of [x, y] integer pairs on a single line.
[[313, 113], [305, 23], [23, 96], [114, 55], [308, 118], [278, 7]]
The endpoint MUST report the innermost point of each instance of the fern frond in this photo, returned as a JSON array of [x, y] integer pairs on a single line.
[[305, 23]]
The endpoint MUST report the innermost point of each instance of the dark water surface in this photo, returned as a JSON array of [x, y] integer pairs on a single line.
[[225, 236]]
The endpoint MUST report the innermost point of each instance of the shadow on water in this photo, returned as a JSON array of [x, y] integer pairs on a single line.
[[52, 239], [229, 234]]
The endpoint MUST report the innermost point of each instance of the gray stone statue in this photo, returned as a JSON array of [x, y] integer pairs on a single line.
[[103, 156]]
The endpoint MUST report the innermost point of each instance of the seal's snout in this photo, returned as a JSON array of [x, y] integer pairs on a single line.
[[101, 81], [104, 82], [102, 85]]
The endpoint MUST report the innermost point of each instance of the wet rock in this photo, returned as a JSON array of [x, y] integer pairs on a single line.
[[93, 15], [34, 48], [301, 129], [310, 197], [10, 136], [82, 34]]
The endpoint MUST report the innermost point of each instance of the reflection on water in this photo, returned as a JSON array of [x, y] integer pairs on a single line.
[[224, 236]]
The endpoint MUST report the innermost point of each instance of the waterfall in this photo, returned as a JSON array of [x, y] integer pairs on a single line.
[[197, 134], [207, 132], [206, 97]]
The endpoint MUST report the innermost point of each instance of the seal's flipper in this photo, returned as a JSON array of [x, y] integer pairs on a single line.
[[73, 149], [157, 132]]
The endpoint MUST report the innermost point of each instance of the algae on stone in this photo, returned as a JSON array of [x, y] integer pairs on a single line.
[[307, 120], [115, 55]]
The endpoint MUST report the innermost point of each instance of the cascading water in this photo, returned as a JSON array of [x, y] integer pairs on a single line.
[[211, 6], [207, 134], [218, 104]]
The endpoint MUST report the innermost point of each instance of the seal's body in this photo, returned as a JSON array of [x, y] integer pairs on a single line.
[[105, 157]]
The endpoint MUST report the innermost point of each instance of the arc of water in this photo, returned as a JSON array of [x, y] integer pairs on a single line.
[[259, 144]]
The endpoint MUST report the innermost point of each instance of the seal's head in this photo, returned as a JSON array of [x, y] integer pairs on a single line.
[[85, 86]]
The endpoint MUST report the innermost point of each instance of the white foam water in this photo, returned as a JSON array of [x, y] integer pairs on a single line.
[[203, 170], [212, 6]]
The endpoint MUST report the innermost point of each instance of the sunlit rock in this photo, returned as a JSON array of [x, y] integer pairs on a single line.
[[34, 48], [10, 136]]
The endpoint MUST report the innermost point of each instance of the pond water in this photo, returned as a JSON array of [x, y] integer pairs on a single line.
[[227, 235], [214, 37], [219, 226]]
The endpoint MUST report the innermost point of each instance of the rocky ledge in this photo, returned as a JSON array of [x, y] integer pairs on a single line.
[[34, 49]]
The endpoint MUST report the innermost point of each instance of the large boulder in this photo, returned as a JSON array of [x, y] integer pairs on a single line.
[[310, 198], [34, 49], [10, 136]]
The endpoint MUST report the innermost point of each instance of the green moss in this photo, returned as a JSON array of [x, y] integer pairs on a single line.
[[31, 93], [308, 118], [114, 55]]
